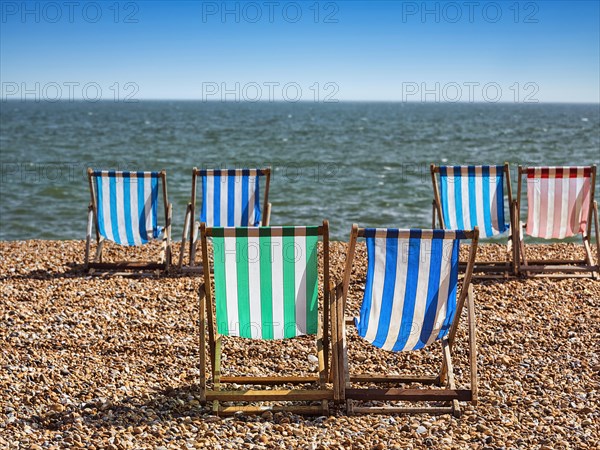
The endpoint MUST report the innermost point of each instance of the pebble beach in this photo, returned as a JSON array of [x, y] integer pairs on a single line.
[[112, 362]]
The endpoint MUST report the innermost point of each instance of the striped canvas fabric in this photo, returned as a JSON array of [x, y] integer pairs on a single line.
[[558, 201], [230, 197], [266, 281], [410, 292], [473, 196], [127, 206]]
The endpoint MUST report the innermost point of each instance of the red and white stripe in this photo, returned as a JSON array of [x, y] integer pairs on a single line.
[[558, 201]]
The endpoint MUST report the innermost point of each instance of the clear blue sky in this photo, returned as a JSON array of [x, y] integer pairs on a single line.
[[346, 50]]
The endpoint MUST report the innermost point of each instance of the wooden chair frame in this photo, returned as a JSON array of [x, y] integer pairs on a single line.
[[557, 268], [327, 364], [450, 395], [98, 264], [482, 269], [190, 222]]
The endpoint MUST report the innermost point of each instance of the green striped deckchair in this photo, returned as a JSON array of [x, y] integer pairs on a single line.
[[265, 287]]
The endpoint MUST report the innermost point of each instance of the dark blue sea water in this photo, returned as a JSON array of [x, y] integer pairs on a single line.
[[347, 162]]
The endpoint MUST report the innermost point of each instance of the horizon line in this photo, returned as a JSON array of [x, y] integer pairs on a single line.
[[212, 101]]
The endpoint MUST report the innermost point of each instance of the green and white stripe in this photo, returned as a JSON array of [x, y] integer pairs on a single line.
[[266, 281]]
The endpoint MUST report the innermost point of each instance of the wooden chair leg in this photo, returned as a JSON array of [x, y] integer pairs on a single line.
[[212, 335], [88, 237], [515, 237], [589, 258], [597, 230], [162, 259], [442, 377], [344, 373], [194, 243], [165, 257], [217, 363], [184, 235], [202, 331], [508, 256], [523, 263], [267, 221], [165, 252], [522, 250], [334, 373], [350, 407], [587, 239], [472, 344], [217, 372], [98, 256], [325, 326], [321, 361], [450, 371]]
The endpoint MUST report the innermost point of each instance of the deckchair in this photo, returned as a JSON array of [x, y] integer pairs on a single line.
[[470, 196], [124, 209], [230, 198], [560, 205], [265, 287], [410, 303]]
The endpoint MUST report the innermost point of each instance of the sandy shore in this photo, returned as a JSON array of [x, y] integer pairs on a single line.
[[88, 362]]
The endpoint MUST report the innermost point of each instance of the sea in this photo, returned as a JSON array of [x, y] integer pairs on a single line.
[[347, 162]]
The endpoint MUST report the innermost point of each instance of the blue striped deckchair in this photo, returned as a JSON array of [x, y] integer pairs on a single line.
[[473, 196], [230, 198], [124, 209], [410, 302], [265, 287]]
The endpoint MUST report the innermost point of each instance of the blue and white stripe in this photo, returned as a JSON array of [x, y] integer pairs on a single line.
[[410, 293], [230, 197], [127, 206], [473, 196]]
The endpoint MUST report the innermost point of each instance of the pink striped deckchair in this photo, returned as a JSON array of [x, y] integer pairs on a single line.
[[560, 205]]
